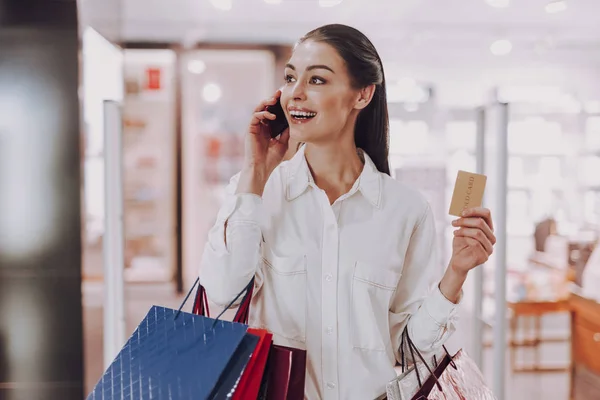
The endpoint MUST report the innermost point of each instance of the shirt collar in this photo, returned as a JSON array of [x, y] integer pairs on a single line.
[[299, 178]]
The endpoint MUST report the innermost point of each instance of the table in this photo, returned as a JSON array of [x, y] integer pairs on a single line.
[[532, 311], [585, 348]]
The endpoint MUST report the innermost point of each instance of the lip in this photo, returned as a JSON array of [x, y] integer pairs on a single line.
[[302, 109]]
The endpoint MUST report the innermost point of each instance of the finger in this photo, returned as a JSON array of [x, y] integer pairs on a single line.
[[268, 102], [261, 116], [284, 138], [478, 235], [481, 212], [478, 223]]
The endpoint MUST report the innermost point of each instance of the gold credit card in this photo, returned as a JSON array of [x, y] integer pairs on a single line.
[[468, 192]]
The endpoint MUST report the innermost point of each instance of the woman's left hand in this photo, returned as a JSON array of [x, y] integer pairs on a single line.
[[474, 241]]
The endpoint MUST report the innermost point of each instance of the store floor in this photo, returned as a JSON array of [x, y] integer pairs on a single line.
[[140, 297]]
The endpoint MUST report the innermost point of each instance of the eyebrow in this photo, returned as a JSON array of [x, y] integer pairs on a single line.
[[311, 67]]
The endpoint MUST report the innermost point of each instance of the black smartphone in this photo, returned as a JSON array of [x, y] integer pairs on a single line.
[[279, 124]]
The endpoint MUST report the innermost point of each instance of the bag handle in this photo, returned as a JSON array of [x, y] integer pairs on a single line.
[[413, 349], [200, 306], [241, 314]]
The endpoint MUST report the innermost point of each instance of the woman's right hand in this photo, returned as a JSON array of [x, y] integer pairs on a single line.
[[262, 153]]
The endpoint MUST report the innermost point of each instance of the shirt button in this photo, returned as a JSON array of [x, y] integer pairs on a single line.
[[329, 330], [330, 385], [328, 277]]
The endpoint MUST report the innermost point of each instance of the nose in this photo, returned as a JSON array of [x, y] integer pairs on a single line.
[[298, 92]]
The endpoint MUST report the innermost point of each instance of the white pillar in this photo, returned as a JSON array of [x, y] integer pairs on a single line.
[[496, 167], [113, 242], [477, 346]]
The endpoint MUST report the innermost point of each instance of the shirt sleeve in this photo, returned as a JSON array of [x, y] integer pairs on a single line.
[[232, 251], [418, 302]]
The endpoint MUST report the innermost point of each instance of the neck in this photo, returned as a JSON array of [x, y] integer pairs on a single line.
[[334, 167]]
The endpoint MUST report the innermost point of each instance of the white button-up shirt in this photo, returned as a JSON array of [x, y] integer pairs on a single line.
[[339, 280]]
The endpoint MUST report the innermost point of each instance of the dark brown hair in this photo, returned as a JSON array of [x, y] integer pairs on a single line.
[[364, 65]]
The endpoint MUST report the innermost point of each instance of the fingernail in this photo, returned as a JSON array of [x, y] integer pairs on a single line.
[[465, 213], [455, 222]]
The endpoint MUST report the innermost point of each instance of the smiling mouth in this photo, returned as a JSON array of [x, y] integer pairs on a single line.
[[302, 115]]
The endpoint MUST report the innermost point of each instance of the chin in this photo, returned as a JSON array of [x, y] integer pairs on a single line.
[[298, 135], [304, 135]]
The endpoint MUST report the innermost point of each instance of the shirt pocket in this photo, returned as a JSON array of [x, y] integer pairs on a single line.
[[283, 296], [372, 291]]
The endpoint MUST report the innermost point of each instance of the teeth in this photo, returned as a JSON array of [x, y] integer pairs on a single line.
[[302, 114]]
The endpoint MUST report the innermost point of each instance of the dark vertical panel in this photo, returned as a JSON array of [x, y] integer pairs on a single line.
[[38, 13], [40, 223]]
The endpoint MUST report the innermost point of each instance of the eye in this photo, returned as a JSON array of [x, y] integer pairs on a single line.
[[317, 81], [289, 79]]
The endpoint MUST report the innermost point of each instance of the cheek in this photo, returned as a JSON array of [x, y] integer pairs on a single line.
[[286, 95], [337, 111], [333, 105]]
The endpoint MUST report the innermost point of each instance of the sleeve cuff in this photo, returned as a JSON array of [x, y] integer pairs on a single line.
[[439, 308], [242, 207]]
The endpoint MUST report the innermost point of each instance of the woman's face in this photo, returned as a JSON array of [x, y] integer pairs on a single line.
[[318, 98]]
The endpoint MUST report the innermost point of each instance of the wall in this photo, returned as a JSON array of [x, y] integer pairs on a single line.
[[40, 228]]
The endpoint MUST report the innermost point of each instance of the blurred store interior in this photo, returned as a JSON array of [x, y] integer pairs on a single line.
[[465, 78]]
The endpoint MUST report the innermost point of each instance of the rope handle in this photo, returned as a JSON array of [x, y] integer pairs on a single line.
[[413, 349], [200, 306]]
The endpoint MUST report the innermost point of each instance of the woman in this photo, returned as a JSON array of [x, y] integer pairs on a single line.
[[343, 255]]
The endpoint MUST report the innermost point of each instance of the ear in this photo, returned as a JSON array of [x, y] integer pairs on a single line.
[[365, 95]]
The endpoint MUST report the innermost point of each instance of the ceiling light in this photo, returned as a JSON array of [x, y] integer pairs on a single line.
[[272, 1], [329, 3], [211, 92], [196, 67], [224, 5], [556, 6], [498, 3], [501, 47]]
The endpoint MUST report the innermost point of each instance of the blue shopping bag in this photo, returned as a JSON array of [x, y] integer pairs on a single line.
[[176, 355]]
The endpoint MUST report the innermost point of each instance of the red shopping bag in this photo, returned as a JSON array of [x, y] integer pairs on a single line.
[[288, 374], [251, 379]]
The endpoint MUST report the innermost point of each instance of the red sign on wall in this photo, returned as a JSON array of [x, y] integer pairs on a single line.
[[153, 79]]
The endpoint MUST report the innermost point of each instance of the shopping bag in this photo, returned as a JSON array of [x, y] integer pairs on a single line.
[[451, 378], [283, 375], [288, 374], [264, 384], [459, 379], [177, 355], [228, 384], [250, 382]]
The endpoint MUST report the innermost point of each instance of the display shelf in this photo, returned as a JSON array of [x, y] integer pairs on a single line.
[[149, 167]]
